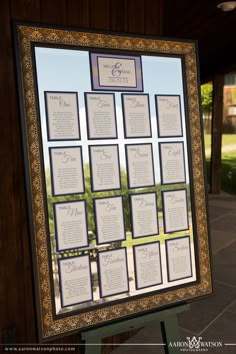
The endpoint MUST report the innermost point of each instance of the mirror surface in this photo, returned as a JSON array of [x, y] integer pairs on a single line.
[[62, 70]]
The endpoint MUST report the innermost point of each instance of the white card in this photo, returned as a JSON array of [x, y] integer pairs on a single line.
[[147, 260], [101, 116], [71, 225], [140, 169], [144, 214], [172, 163], [179, 258], [62, 115], [175, 210], [67, 170], [75, 280], [136, 113], [113, 272], [105, 167], [109, 215], [169, 116]]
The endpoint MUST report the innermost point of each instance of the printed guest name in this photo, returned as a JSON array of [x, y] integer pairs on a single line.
[[116, 69]]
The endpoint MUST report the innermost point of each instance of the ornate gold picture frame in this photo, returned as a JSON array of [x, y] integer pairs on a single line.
[[169, 69]]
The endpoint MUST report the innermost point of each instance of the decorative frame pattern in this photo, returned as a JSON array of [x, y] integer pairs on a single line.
[[26, 36]]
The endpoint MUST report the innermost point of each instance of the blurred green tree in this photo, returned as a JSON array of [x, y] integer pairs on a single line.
[[206, 97]]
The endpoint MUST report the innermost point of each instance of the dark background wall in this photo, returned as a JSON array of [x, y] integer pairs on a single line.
[[16, 283]]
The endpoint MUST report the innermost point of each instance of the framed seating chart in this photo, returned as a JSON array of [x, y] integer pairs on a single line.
[[112, 138]]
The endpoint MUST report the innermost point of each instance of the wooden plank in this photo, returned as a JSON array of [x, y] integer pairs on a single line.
[[4, 164], [118, 14], [25, 10], [78, 13], [153, 17], [135, 15], [100, 14], [212, 28], [12, 308], [16, 277], [53, 12], [217, 123]]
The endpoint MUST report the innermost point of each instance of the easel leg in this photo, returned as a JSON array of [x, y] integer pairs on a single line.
[[171, 335], [169, 327], [89, 348]]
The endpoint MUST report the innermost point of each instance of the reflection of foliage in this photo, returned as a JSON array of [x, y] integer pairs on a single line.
[[89, 196], [206, 96]]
